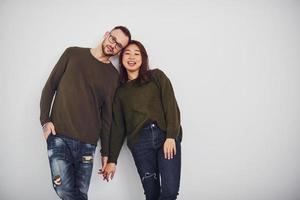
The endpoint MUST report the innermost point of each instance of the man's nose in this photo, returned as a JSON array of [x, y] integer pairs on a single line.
[[114, 46]]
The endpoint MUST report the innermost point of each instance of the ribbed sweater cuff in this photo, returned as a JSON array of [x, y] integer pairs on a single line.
[[112, 160], [44, 121], [103, 152], [172, 134]]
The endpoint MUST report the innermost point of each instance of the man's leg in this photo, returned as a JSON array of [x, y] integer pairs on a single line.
[[170, 173], [61, 166], [83, 169]]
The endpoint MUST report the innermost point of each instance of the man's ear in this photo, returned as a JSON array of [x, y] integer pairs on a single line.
[[106, 35]]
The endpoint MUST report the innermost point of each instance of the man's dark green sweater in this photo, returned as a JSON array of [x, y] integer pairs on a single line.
[[136, 105], [82, 108]]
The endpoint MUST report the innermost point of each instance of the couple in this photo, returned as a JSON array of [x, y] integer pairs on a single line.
[[93, 101]]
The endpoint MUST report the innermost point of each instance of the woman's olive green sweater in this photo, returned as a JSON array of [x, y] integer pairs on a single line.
[[136, 105]]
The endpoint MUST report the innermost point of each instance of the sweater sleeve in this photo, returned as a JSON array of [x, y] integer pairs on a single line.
[[170, 107], [117, 135], [51, 87], [106, 112]]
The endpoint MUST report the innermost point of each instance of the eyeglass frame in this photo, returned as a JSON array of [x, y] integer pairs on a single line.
[[112, 39]]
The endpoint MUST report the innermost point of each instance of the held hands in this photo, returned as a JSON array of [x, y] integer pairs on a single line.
[[48, 128], [169, 148], [108, 172], [104, 164]]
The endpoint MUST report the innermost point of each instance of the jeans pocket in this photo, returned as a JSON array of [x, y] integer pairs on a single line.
[[56, 147], [49, 136]]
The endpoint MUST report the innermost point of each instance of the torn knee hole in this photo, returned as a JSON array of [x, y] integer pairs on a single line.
[[87, 159], [57, 181], [149, 175]]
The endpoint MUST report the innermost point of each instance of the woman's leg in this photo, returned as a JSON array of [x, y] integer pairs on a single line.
[[170, 173], [145, 157]]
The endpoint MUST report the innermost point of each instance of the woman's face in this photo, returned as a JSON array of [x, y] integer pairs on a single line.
[[132, 58]]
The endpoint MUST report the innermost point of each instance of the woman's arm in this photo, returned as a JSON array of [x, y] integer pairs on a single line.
[[117, 135], [171, 112], [170, 107]]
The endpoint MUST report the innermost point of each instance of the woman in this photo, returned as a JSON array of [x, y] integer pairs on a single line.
[[145, 110]]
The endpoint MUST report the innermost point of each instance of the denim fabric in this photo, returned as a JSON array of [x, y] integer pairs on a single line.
[[71, 164], [160, 177]]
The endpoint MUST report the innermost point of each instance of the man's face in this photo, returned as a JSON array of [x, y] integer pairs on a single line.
[[114, 42]]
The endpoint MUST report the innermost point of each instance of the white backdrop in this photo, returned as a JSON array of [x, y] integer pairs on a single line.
[[235, 68]]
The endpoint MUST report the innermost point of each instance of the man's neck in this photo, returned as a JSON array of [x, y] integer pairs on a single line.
[[99, 55]]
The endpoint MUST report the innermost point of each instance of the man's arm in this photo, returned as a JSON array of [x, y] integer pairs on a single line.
[[51, 87]]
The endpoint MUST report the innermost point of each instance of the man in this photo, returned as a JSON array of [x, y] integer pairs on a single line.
[[84, 81]]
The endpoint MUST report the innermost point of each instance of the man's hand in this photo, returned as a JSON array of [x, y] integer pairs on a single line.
[[109, 171], [169, 148], [48, 128]]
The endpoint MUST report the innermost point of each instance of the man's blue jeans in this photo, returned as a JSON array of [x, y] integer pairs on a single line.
[[71, 164], [160, 177]]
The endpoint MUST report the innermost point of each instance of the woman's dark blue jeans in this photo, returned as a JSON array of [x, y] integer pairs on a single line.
[[160, 177], [71, 164]]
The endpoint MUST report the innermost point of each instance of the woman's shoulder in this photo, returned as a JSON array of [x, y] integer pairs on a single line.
[[122, 88], [118, 92], [158, 73]]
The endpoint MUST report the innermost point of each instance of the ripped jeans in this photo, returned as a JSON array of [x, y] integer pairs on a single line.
[[160, 177], [71, 164]]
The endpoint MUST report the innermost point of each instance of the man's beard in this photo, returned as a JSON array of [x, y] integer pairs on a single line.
[[104, 53]]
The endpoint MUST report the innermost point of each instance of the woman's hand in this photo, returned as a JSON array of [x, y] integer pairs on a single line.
[[169, 148], [109, 171]]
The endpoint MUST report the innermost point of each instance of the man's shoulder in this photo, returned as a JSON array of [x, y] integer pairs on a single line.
[[73, 49]]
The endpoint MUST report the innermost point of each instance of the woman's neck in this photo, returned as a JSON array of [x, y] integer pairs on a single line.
[[132, 75]]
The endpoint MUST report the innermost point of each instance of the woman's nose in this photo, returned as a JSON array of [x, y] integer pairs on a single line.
[[131, 57]]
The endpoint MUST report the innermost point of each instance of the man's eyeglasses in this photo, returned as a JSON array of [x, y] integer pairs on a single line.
[[112, 39]]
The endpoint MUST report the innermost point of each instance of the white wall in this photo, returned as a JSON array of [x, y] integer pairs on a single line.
[[235, 68]]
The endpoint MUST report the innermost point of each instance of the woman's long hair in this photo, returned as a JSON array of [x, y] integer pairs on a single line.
[[144, 73]]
